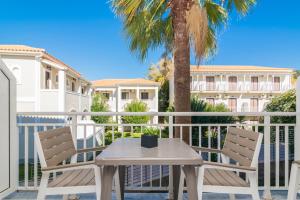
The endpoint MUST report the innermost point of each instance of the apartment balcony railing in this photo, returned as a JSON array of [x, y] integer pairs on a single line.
[[240, 87], [278, 149]]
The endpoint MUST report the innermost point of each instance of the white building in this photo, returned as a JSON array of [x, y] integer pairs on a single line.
[[241, 88], [44, 83], [119, 92]]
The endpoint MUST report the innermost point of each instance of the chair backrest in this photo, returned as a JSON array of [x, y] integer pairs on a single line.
[[243, 146], [54, 146]]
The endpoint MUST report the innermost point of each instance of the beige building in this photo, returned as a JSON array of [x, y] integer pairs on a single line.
[[44, 83], [241, 88], [119, 92]]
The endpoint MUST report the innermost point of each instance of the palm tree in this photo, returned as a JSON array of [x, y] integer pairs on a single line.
[[177, 25]]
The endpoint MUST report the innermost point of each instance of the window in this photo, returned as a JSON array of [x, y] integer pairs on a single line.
[[232, 104], [254, 83], [125, 95], [232, 83], [253, 105], [144, 95], [276, 84], [210, 83], [210, 101], [47, 79], [106, 95]]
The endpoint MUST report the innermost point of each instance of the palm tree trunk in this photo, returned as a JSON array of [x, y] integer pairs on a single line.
[[181, 65]]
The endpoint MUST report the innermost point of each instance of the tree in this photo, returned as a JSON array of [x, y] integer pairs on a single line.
[[285, 102], [99, 104], [198, 105], [177, 25], [162, 72]]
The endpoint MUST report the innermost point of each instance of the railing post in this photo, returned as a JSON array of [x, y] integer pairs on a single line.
[[267, 168], [171, 190], [297, 130], [74, 129], [171, 126]]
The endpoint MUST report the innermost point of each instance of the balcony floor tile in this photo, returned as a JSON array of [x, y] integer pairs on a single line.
[[24, 195]]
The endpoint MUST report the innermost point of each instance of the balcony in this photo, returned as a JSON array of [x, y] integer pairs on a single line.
[[240, 87], [278, 150]]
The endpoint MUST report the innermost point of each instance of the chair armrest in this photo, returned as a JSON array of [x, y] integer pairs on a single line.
[[90, 149], [67, 167], [207, 149], [229, 167]]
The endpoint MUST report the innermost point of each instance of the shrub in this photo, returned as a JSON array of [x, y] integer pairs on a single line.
[[99, 104], [136, 106]]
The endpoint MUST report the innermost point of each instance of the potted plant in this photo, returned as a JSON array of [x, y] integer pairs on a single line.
[[149, 138]]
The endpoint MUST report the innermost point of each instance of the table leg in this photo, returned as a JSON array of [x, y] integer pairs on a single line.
[[107, 181], [122, 180], [176, 177], [191, 181]]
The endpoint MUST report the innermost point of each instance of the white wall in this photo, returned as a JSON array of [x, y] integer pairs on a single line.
[[26, 78]]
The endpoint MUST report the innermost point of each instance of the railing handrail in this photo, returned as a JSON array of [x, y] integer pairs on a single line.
[[206, 114]]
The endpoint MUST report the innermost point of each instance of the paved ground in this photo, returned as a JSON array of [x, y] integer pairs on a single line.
[[277, 195]]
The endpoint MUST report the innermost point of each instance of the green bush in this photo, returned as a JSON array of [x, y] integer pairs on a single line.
[[136, 106], [99, 104]]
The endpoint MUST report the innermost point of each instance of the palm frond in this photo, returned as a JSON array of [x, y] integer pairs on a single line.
[[241, 6], [197, 26], [216, 14]]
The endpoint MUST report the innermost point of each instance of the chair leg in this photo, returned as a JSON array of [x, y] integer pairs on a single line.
[[294, 182], [117, 184], [43, 186], [98, 174], [181, 185], [200, 182], [253, 186]]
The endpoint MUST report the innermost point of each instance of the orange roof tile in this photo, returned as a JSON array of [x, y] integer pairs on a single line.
[[233, 68], [123, 82], [28, 49]]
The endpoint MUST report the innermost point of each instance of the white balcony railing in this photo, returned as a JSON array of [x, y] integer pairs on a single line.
[[241, 86], [274, 160]]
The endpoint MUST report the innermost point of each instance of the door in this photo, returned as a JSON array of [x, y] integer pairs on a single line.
[[254, 83], [232, 104], [276, 84], [253, 105], [210, 83], [4, 133], [232, 83]]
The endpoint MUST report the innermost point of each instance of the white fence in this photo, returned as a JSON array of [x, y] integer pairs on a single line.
[[274, 163]]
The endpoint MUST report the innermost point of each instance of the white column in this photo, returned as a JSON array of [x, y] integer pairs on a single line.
[[198, 82], [155, 118], [244, 83], [137, 93], [38, 75], [80, 96], [297, 129], [61, 90], [221, 83], [118, 99]]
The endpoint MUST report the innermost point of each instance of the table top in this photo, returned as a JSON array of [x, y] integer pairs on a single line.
[[128, 151]]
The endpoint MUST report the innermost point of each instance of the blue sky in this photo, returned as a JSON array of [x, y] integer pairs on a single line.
[[87, 36]]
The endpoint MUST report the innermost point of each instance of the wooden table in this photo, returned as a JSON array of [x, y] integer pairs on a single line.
[[128, 151]]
